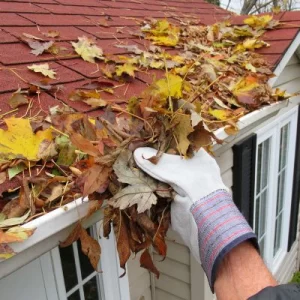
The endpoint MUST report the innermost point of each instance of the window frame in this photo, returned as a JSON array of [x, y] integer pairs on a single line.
[[110, 285], [273, 131]]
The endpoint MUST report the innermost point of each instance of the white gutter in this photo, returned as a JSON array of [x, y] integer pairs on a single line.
[[56, 225]]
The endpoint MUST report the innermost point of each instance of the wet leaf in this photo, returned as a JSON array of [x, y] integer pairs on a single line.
[[171, 86], [44, 69], [87, 49], [147, 263]]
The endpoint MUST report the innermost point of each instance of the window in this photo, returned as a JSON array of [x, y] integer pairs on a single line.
[[273, 186], [75, 278]]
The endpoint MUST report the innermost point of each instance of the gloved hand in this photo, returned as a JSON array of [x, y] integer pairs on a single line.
[[203, 212]]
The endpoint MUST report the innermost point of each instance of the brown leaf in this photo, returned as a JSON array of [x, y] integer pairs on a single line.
[[6, 251], [15, 234], [123, 246], [90, 247], [108, 217], [2, 177], [72, 237], [93, 179], [147, 263], [97, 85], [94, 205], [17, 99], [83, 144]]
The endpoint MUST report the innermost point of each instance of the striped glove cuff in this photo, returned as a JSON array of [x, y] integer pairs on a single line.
[[221, 227]]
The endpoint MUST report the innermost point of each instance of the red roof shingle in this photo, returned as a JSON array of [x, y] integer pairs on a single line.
[[110, 23]]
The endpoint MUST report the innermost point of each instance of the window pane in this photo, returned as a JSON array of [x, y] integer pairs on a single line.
[[74, 296], [68, 266], [277, 234], [265, 163], [284, 135], [91, 290], [257, 210], [258, 177], [262, 214], [261, 245], [280, 192]]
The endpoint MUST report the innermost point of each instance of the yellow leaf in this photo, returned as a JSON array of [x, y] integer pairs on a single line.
[[6, 251], [171, 85], [258, 21], [87, 49], [127, 69], [44, 69], [157, 64], [15, 234], [220, 114], [93, 102], [162, 33], [244, 89], [18, 141], [181, 131]]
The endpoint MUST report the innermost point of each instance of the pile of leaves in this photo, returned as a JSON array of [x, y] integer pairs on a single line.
[[212, 77]]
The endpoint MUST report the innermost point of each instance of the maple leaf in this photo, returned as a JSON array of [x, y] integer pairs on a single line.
[[170, 86], [127, 69], [28, 144], [36, 45], [87, 49], [162, 33], [141, 189], [44, 69], [181, 131], [258, 21]]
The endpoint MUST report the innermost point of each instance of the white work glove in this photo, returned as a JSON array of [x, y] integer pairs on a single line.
[[203, 213]]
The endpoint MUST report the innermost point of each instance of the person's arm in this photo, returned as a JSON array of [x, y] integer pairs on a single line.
[[210, 224], [242, 274]]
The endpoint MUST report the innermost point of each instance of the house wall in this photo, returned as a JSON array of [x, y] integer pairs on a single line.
[[181, 277]]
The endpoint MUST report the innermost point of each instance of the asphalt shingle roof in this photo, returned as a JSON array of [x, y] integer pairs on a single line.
[[110, 23]]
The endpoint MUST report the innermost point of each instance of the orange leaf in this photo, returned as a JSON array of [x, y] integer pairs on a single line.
[[90, 247], [147, 263]]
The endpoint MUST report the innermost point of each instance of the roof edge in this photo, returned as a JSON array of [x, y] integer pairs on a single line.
[[285, 59]]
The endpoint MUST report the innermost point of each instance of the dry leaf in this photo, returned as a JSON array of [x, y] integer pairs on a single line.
[[90, 247], [87, 49], [6, 251], [15, 234], [28, 142], [44, 69], [17, 99], [147, 263]]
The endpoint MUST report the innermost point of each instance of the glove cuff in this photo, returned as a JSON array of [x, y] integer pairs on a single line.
[[221, 227]]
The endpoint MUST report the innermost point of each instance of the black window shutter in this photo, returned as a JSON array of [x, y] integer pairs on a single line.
[[244, 175], [296, 190]]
